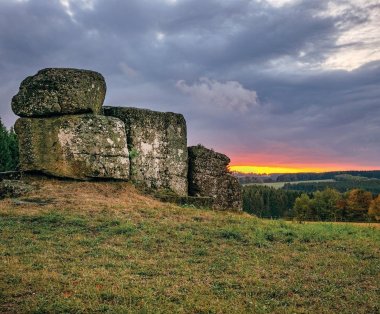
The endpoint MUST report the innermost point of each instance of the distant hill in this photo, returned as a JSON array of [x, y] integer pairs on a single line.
[[371, 185], [326, 175], [307, 176]]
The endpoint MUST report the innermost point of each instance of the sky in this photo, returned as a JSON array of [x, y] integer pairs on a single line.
[[277, 85]]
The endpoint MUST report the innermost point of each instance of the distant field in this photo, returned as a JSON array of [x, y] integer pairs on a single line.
[[279, 185]]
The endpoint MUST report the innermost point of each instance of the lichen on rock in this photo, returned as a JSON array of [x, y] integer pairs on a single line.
[[75, 146], [59, 91], [159, 140], [208, 176], [62, 133]]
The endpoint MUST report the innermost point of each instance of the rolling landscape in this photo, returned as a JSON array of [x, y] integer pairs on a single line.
[[104, 247], [86, 247], [190, 156]]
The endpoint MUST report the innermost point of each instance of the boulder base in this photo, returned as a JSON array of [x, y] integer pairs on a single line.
[[158, 145], [76, 146], [208, 177], [59, 91], [14, 188]]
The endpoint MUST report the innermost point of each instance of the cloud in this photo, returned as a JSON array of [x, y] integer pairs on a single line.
[[359, 42], [229, 95], [281, 79]]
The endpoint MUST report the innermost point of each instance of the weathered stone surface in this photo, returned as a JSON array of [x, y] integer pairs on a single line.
[[158, 145], [191, 201], [14, 188], [58, 91], [75, 146], [208, 176]]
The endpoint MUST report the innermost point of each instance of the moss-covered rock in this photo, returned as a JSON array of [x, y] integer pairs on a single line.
[[58, 91], [158, 145], [208, 177], [75, 146], [14, 188]]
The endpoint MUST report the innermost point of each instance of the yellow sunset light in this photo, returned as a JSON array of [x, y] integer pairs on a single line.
[[271, 169]]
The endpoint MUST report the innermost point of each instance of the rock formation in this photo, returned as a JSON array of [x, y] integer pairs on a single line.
[[64, 133], [57, 138], [60, 91], [208, 176], [158, 145], [75, 146]]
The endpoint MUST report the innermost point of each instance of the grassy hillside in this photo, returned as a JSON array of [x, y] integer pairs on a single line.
[[103, 247]]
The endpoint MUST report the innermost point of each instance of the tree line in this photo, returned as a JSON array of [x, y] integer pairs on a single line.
[[268, 202], [9, 155], [307, 176], [326, 205], [371, 185], [330, 205]]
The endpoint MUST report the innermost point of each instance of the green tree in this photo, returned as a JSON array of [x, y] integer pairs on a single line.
[[325, 204], [13, 148], [8, 149], [5, 154], [302, 207]]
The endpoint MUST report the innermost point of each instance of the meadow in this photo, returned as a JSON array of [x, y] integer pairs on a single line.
[[280, 185], [74, 247]]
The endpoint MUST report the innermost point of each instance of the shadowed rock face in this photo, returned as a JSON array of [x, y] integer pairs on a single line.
[[59, 91], [158, 145], [208, 176], [75, 146]]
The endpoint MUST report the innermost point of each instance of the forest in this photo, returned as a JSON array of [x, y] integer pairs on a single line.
[[371, 185], [327, 205], [326, 175], [268, 202], [8, 149]]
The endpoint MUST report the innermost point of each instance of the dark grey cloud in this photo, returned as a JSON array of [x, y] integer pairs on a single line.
[[254, 80]]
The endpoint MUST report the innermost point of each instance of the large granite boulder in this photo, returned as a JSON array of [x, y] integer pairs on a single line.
[[158, 145], [208, 176], [59, 91], [75, 146]]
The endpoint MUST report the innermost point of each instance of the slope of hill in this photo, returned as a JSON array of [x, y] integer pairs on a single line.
[[79, 247]]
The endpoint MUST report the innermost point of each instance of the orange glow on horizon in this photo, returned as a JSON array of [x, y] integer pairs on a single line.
[[285, 169]]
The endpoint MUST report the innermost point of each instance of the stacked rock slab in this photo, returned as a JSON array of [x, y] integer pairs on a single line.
[[62, 133], [60, 91], [158, 145], [208, 176]]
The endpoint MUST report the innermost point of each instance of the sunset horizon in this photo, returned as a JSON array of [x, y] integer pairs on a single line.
[[300, 97], [262, 169]]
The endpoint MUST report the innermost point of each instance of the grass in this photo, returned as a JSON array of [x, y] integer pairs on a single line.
[[104, 248], [279, 185]]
